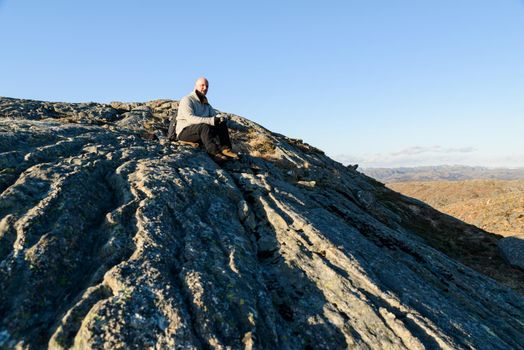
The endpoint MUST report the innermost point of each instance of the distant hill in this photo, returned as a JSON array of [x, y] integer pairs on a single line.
[[443, 172], [494, 205]]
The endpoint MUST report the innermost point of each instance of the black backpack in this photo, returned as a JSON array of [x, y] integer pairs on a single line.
[[171, 132]]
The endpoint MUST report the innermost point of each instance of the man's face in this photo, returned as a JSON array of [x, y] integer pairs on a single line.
[[202, 86]]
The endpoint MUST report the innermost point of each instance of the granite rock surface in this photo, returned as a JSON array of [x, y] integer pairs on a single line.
[[112, 237], [512, 249]]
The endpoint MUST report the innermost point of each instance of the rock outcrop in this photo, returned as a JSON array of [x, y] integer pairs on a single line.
[[512, 249], [111, 237]]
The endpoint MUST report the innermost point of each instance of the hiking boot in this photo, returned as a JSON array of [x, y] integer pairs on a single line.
[[220, 158], [229, 153]]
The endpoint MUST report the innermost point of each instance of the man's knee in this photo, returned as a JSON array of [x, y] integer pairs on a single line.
[[205, 129]]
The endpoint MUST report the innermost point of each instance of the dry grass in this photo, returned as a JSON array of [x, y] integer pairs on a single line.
[[493, 205], [260, 145]]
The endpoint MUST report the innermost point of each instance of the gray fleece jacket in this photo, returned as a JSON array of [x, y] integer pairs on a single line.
[[192, 111]]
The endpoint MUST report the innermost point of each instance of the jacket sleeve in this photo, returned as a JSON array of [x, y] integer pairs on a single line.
[[186, 112]]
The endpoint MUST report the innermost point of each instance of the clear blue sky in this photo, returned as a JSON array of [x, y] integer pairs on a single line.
[[381, 83]]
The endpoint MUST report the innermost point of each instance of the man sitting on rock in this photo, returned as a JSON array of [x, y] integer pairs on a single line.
[[197, 121]]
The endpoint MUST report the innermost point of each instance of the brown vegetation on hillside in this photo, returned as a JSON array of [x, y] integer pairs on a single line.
[[493, 205]]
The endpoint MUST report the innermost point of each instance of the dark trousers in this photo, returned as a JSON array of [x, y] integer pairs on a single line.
[[214, 138]]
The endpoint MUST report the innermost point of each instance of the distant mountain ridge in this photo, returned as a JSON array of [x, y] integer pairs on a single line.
[[443, 172]]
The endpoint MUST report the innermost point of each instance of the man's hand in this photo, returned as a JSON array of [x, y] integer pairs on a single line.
[[220, 118]]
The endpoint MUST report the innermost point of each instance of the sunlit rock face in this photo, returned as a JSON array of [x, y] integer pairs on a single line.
[[113, 237]]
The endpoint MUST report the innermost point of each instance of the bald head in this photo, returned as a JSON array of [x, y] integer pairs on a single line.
[[201, 85]]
